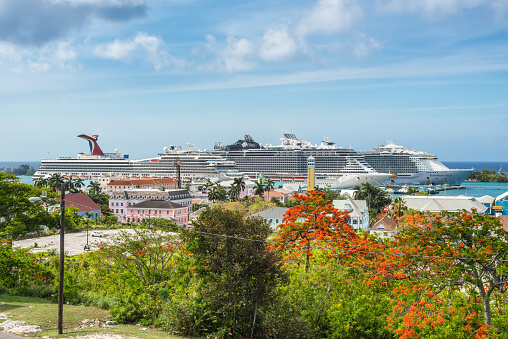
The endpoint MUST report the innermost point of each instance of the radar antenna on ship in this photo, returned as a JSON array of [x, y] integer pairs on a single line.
[[190, 146]]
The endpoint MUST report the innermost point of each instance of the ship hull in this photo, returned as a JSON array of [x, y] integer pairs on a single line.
[[343, 181], [451, 177]]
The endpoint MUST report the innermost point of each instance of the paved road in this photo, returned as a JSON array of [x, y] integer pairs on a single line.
[[74, 242]]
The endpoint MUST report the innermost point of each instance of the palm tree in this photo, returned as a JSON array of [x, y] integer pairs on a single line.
[[412, 190], [94, 186], [269, 186], [259, 189], [239, 186], [78, 183], [41, 182], [55, 182], [69, 183], [398, 206]]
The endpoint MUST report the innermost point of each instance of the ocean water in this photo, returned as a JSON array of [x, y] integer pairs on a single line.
[[477, 189]]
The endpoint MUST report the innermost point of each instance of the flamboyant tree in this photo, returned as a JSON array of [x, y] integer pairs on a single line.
[[461, 252], [314, 223]]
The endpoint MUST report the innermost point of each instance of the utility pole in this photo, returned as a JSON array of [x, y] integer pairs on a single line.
[[62, 255]]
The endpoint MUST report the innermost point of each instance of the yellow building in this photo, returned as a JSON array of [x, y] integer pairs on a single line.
[[311, 173]]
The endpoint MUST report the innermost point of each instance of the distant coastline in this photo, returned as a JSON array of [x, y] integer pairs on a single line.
[[478, 165]]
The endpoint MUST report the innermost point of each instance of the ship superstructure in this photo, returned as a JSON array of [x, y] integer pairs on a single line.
[[335, 167], [194, 165], [412, 166]]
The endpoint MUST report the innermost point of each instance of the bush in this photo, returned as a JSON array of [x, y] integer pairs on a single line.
[[283, 321], [35, 291]]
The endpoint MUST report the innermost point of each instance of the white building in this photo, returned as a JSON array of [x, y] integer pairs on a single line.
[[272, 215], [358, 212], [438, 204]]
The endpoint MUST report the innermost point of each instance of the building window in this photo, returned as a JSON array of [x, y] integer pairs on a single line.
[[121, 210], [116, 210]]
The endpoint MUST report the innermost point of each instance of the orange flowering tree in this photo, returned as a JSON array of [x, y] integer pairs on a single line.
[[446, 256], [144, 255], [313, 224]]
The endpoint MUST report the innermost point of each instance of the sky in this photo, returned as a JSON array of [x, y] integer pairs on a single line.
[[146, 74]]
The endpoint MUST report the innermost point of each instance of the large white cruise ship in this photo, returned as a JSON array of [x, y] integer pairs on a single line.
[[193, 165], [413, 166], [335, 167]]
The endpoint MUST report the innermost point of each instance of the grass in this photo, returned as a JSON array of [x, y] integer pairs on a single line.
[[42, 312]]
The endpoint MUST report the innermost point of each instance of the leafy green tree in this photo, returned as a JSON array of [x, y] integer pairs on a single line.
[[143, 254], [101, 199], [487, 175], [238, 271], [14, 197], [376, 198], [217, 192]]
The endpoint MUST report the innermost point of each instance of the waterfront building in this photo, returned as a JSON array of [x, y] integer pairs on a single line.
[[152, 209], [501, 204], [121, 200], [438, 204]]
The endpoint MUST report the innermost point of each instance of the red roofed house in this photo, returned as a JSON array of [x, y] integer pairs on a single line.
[[384, 228], [84, 204]]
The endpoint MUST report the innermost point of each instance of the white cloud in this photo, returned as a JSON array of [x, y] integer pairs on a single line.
[[329, 16], [278, 44], [59, 55], [445, 7], [365, 45], [100, 3], [236, 56], [149, 47]]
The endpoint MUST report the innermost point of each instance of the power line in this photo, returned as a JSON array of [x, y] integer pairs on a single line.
[[355, 249]]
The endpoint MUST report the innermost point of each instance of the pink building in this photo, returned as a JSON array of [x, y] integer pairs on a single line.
[[121, 200], [152, 209]]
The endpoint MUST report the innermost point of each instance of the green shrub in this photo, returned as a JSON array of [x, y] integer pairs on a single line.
[[185, 316], [36, 291]]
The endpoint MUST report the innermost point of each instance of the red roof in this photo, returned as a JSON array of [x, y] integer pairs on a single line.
[[504, 221], [81, 201], [388, 223]]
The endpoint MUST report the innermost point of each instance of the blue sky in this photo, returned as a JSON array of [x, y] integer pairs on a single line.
[[144, 74]]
